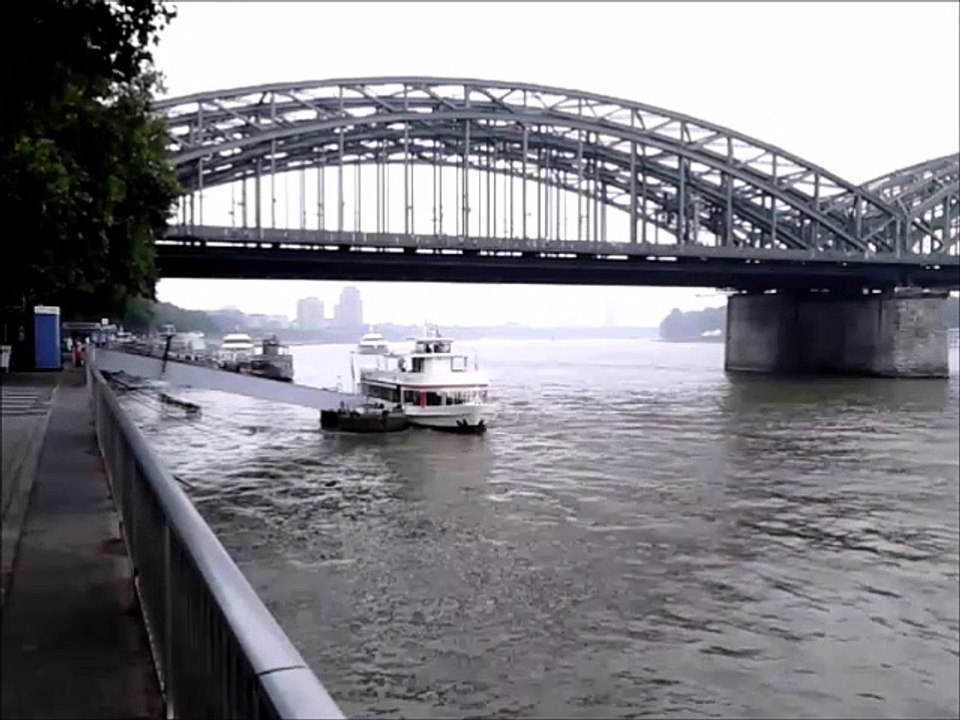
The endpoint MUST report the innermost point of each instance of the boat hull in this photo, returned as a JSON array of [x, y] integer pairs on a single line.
[[460, 428], [462, 419], [363, 422], [272, 370]]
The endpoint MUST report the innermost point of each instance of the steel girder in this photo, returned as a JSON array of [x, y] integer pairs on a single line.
[[928, 195], [674, 171]]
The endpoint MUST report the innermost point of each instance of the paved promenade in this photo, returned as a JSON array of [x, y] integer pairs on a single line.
[[73, 644], [25, 401]]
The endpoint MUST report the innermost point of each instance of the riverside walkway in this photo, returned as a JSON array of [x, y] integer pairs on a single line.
[[24, 408], [73, 641]]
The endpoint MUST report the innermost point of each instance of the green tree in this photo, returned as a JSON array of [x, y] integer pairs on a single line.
[[688, 325], [84, 183], [143, 315], [138, 315]]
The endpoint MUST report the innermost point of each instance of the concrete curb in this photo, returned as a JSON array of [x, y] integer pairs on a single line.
[[25, 472]]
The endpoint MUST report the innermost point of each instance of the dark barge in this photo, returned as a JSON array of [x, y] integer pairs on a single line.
[[364, 419]]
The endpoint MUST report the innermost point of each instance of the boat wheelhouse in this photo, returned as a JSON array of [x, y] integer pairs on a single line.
[[434, 386], [274, 361], [235, 348]]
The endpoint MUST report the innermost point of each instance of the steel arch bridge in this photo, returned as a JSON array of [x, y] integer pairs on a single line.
[[537, 171]]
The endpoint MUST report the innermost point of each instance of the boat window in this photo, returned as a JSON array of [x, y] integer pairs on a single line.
[[410, 396], [458, 363], [459, 397], [434, 399], [382, 393], [417, 365]]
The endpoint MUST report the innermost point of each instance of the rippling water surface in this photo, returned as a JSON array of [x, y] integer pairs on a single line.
[[637, 534]]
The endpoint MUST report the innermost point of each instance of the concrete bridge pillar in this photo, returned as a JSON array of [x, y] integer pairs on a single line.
[[894, 334]]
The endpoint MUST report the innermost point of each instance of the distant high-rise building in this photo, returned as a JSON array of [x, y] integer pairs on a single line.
[[310, 314], [349, 311]]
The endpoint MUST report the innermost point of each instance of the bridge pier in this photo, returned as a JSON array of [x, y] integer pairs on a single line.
[[890, 334]]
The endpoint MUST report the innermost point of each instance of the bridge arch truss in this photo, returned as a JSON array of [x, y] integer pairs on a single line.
[[928, 195], [532, 148]]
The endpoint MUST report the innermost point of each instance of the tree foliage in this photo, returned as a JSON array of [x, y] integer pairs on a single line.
[[138, 315], [688, 325], [144, 315], [84, 183]]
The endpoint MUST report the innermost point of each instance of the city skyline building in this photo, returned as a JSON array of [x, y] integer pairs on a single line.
[[310, 314], [348, 312]]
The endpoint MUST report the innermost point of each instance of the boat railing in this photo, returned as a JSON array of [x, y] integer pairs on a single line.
[[217, 650]]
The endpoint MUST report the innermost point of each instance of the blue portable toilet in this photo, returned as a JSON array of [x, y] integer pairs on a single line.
[[46, 337]]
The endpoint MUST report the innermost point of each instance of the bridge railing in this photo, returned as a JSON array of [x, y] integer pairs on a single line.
[[308, 239], [217, 649]]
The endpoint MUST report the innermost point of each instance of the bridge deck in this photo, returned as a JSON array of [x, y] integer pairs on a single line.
[[325, 255], [314, 239]]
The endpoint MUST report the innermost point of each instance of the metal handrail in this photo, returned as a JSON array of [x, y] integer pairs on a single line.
[[218, 651]]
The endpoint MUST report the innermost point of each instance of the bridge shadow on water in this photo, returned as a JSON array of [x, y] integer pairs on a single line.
[[747, 392]]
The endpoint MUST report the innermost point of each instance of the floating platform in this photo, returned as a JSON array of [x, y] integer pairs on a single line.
[[191, 375]]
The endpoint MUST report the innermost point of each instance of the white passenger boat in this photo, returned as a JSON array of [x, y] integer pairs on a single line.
[[434, 386], [371, 347], [235, 349], [372, 343]]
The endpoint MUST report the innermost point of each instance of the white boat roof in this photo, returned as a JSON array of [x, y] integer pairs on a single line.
[[437, 355], [237, 337], [430, 338]]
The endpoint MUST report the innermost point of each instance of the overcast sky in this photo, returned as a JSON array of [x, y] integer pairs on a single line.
[[860, 88]]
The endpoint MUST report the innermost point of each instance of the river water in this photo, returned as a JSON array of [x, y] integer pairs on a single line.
[[637, 534]]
